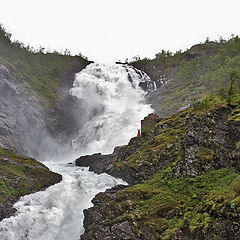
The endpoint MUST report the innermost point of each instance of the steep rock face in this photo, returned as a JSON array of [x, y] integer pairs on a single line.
[[20, 112], [188, 181], [36, 111], [27, 124], [212, 140]]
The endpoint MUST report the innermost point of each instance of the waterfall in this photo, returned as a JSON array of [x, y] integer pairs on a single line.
[[113, 100]]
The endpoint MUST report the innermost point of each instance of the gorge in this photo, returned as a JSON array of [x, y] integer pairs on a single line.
[[105, 92], [179, 180]]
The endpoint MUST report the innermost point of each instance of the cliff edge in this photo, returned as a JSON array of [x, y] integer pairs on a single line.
[[184, 177]]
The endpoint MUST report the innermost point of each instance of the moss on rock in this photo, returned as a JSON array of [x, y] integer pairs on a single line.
[[20, 175], [187, 170]]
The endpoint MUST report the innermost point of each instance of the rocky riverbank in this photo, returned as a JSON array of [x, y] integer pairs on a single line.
[[110, 163], [20, 175], [184, 177]]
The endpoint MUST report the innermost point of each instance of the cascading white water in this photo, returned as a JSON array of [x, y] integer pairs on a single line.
[[114, 105], [57, 212], [112, 94]]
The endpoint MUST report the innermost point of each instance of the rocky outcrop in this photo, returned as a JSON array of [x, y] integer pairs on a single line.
[[188, 184], [213, 140], [20, 175], [97, 162], [108, 163], [94, 221]]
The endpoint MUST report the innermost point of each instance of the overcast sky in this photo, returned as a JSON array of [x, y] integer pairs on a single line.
[[108, 30]]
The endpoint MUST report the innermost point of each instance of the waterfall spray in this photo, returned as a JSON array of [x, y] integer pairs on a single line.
[[115, 103], [114, 106]]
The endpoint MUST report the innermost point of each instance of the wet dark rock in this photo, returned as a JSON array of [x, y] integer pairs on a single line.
[[6, 208], [97, 163], [121, 63], [96, 225]]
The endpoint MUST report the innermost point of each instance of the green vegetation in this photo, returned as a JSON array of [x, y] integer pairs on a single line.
[[186, 165], [164, 205], [142, 154], [188, 174], [145, 154], [20, 175], [42, 71], [195, 74]]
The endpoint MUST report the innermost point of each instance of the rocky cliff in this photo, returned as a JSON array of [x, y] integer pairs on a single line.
[[21, 110], [183, 170], [36, 116], [34, 99], [184, 177]]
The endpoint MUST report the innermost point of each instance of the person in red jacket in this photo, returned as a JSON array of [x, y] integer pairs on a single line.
[[139, 133]]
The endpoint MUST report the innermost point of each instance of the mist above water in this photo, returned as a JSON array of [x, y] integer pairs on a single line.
[[112, 108], [115, 106]]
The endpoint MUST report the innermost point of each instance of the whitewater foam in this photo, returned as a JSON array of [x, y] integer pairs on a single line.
[[57, 212], [115, 102], [114, 105]]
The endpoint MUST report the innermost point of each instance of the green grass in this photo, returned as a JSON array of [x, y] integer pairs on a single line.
[[171, 200], [163, 205], [21, 175]]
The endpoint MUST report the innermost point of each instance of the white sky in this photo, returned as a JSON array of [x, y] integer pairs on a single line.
[[108, 30]]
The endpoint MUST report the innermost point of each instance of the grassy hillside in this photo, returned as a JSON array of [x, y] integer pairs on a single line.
[[186, 77], [187, 170], [42, 71]]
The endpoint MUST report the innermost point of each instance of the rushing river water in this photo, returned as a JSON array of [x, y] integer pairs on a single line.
[[114, 106]]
